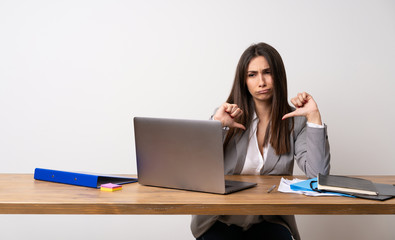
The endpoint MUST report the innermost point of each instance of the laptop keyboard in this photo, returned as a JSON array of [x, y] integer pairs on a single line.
[[230, 183]]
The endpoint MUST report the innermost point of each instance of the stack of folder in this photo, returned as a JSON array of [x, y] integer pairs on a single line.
[[346, 186], [356, 187]]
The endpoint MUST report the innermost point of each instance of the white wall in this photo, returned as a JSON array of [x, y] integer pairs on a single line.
[[74, 73]]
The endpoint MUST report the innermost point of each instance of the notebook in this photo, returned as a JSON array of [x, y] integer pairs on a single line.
[[346, 184], [182, 154], [357, 187]]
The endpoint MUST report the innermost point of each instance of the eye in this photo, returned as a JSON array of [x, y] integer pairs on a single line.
[[251, 74], [267, 71]]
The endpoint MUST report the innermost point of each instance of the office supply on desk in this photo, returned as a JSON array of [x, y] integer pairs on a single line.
[[385, 189], [299, 186], [182, 154], [110, 187], [79, 179], [310, 185], [357, 187], [346, 184], [271, 189]]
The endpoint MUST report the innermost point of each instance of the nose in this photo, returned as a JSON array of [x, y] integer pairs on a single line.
[[262, 81]]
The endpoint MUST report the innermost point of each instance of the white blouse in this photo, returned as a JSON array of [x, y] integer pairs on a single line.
[[254, 161]]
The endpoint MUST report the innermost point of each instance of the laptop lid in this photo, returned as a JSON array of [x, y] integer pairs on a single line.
[[182, 154]]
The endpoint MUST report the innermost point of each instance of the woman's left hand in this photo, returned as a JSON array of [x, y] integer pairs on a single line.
[[305, 106]]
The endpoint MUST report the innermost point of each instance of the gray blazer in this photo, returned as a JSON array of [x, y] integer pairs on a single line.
[[310, 150]]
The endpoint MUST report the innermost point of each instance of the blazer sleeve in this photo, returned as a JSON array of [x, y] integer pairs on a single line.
[[312, 151], [224, 129]]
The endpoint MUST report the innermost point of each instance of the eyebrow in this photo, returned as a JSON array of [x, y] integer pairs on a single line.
[[254, 71]]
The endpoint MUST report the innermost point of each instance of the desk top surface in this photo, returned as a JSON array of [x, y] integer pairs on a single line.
[[21, 194]]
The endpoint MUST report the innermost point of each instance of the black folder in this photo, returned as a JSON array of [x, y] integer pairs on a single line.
[[358, 187]]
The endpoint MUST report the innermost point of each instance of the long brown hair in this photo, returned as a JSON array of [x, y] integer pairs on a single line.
[[278, 131]]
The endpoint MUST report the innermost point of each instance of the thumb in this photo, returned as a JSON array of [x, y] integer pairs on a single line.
[[288, 115], [238, 125]]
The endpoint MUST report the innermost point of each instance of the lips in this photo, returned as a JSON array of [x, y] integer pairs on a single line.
[[264, 91]]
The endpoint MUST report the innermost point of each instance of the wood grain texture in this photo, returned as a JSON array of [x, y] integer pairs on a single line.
[[21, 194]]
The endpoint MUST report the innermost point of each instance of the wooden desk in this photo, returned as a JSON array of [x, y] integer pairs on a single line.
[[21, 194]]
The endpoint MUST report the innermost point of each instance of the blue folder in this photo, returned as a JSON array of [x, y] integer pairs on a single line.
[[305, 186], [79, 179]]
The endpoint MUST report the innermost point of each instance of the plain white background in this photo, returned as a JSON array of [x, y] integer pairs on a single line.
[[73, 74]]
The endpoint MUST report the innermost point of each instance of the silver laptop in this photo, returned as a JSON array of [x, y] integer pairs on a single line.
[[182, 154]]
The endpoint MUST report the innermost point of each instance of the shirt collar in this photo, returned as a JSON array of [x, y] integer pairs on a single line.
[[254, 117], [254, 124]]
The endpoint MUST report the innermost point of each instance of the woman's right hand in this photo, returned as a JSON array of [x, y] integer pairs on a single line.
[[227, 113]]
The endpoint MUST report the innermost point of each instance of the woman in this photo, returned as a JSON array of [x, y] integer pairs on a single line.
[[270, 135]]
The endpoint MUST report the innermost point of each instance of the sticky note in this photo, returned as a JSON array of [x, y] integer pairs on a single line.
[[109, 187]]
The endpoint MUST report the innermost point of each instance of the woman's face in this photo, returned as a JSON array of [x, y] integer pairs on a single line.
[[259, 80]]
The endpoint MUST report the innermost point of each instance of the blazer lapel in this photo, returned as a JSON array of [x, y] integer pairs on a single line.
[[241, 151], [271, 161]]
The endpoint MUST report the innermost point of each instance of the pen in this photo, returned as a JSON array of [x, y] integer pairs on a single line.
[[271, 189]]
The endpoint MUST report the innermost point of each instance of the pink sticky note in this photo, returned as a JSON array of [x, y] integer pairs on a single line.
[[110, 185]]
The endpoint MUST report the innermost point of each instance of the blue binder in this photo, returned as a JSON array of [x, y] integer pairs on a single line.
[[79, 179], [305, 186]]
